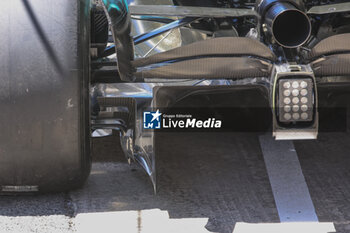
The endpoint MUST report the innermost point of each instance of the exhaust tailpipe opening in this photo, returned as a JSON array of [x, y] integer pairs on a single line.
[[285, 21], [291, 28]]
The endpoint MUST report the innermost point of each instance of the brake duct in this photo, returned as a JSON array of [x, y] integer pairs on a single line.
[[284, 21]]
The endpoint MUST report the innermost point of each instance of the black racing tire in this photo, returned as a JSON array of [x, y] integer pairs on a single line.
[[44, 95]]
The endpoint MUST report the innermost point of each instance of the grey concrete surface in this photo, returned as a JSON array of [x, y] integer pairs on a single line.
[[214, 182]]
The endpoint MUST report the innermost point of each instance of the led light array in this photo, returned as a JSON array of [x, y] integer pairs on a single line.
[[295, 100]]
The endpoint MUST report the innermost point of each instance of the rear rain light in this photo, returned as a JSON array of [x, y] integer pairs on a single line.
[[295, 100]]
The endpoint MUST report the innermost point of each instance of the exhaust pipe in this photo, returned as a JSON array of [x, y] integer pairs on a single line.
[[286, 21]]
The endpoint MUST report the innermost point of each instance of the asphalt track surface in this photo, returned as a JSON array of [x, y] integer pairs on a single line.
[[213, 182]]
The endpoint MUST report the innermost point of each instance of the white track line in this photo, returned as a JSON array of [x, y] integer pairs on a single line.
[[287, 181]]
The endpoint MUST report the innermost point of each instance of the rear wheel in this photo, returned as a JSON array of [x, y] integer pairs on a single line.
[[44, 95]]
